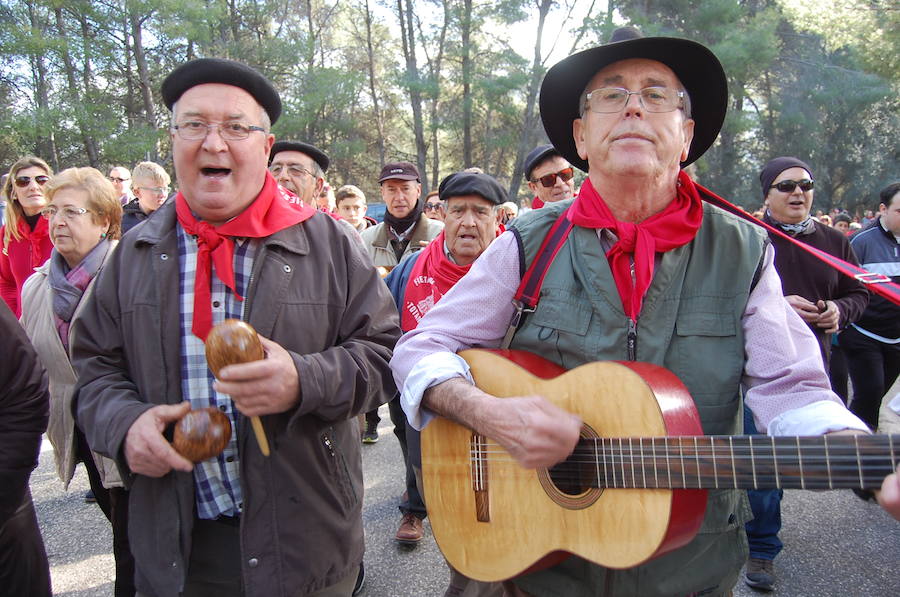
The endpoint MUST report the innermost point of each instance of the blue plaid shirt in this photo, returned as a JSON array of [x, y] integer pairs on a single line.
[[217, 481]]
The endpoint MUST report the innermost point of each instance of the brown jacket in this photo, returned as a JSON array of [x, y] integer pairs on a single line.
[[313, 291]]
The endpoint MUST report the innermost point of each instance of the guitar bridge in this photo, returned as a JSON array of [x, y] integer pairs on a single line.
[[478, 456]]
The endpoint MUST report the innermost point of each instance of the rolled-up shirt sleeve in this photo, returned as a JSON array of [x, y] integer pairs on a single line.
[[475, 313]]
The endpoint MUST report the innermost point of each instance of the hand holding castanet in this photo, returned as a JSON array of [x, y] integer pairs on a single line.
[[232, 342]]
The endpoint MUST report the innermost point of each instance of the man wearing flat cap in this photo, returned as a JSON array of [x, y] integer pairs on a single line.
[[420, 281], [550, 177], [232, 245], [300, 168], [647, 272]]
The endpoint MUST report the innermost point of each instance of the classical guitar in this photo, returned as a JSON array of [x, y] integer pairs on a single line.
[[635, 486]]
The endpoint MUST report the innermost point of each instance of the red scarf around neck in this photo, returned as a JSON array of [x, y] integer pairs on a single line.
[[431, 277], [674, 226], [269, 213]]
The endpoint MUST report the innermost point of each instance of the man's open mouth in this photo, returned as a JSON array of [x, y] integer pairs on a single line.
[[215, 172]]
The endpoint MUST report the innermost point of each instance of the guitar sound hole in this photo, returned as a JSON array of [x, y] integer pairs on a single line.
[[573, 478]]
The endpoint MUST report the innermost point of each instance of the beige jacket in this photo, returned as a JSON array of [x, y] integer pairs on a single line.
[[37, 319], [377, 241]]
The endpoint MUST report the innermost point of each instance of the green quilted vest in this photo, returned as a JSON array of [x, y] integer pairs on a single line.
[[691, 324]]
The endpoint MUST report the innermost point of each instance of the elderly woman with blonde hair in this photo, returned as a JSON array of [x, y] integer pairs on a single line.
[[84, 216], [24, 240]]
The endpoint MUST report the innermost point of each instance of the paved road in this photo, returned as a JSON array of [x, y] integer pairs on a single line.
[[835, 545]]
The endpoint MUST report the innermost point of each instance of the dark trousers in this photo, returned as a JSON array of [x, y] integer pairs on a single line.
[[762, 531], [215, 565], [412, 455], [873, 367], [23, 561], [837, 372], [114, 504]]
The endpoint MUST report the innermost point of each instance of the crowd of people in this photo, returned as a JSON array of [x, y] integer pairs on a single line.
[[116, 283]]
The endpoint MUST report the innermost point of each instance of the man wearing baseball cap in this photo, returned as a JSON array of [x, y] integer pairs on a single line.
[[648, 272], [232, 245], [405, 228]]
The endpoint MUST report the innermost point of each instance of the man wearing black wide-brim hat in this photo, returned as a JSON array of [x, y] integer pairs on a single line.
[[647, 272], [277, 512]]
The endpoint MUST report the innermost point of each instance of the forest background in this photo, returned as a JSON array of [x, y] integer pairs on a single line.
[[440, 82]]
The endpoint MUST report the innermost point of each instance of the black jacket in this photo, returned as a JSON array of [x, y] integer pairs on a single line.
[[24, 410]]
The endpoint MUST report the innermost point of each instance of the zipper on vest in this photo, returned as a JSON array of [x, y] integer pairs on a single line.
[[632, 340]]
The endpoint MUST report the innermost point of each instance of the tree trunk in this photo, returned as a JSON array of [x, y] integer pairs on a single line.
[[370, 54], [408, 35], [87, 139], [45, 145], [530, 130], [434, 119], [143, 72], [467, 83]]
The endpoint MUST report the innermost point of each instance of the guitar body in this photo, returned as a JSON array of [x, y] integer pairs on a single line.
[[494, 520]]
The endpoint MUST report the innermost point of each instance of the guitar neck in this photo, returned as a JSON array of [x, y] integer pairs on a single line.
[[738, 462]]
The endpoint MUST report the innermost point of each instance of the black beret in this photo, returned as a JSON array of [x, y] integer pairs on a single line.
[[472, 183], [536, 156], [775, 167], [226, 72], [318, 156]]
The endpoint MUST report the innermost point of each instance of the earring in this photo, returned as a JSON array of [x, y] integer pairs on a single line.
[[103, 235]]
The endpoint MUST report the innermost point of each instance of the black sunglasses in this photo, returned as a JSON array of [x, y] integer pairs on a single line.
[[548, 180], [788, 186], [24, 181]]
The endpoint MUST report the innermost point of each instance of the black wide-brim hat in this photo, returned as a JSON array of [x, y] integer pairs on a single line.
[[696, 67]]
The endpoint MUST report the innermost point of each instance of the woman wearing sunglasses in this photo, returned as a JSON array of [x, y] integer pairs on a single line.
[[24, 238], [84, 215]]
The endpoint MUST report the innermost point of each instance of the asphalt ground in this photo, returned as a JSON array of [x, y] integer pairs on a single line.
[[835, 544]]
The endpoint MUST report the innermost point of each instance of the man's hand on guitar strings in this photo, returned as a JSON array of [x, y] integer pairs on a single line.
[[534, 431]]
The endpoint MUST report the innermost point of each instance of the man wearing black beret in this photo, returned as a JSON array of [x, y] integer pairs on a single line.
[[420, 280], [300, 168], [644, 270], [251, 521]]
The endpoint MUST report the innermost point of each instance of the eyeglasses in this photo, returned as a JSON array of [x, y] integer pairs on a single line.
[[277, 169], [194, 130], [117, 179], [156, 190], [24, 181], [608, 100], [68, 212], [788, 186], [433, 206], [548, 180]]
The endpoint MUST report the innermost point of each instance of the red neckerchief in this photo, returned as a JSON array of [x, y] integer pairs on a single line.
[[35, 238], [536, 203], [269, 213], [673, 227], [430, 279]]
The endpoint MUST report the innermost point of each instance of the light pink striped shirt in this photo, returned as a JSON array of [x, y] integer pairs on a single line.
[[784, 377]]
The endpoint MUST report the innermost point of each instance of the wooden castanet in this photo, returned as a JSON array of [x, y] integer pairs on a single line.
[[234, 341], [201, 434], [635, 485]]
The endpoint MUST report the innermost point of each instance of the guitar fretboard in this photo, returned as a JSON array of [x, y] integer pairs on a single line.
[[739, 462]]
